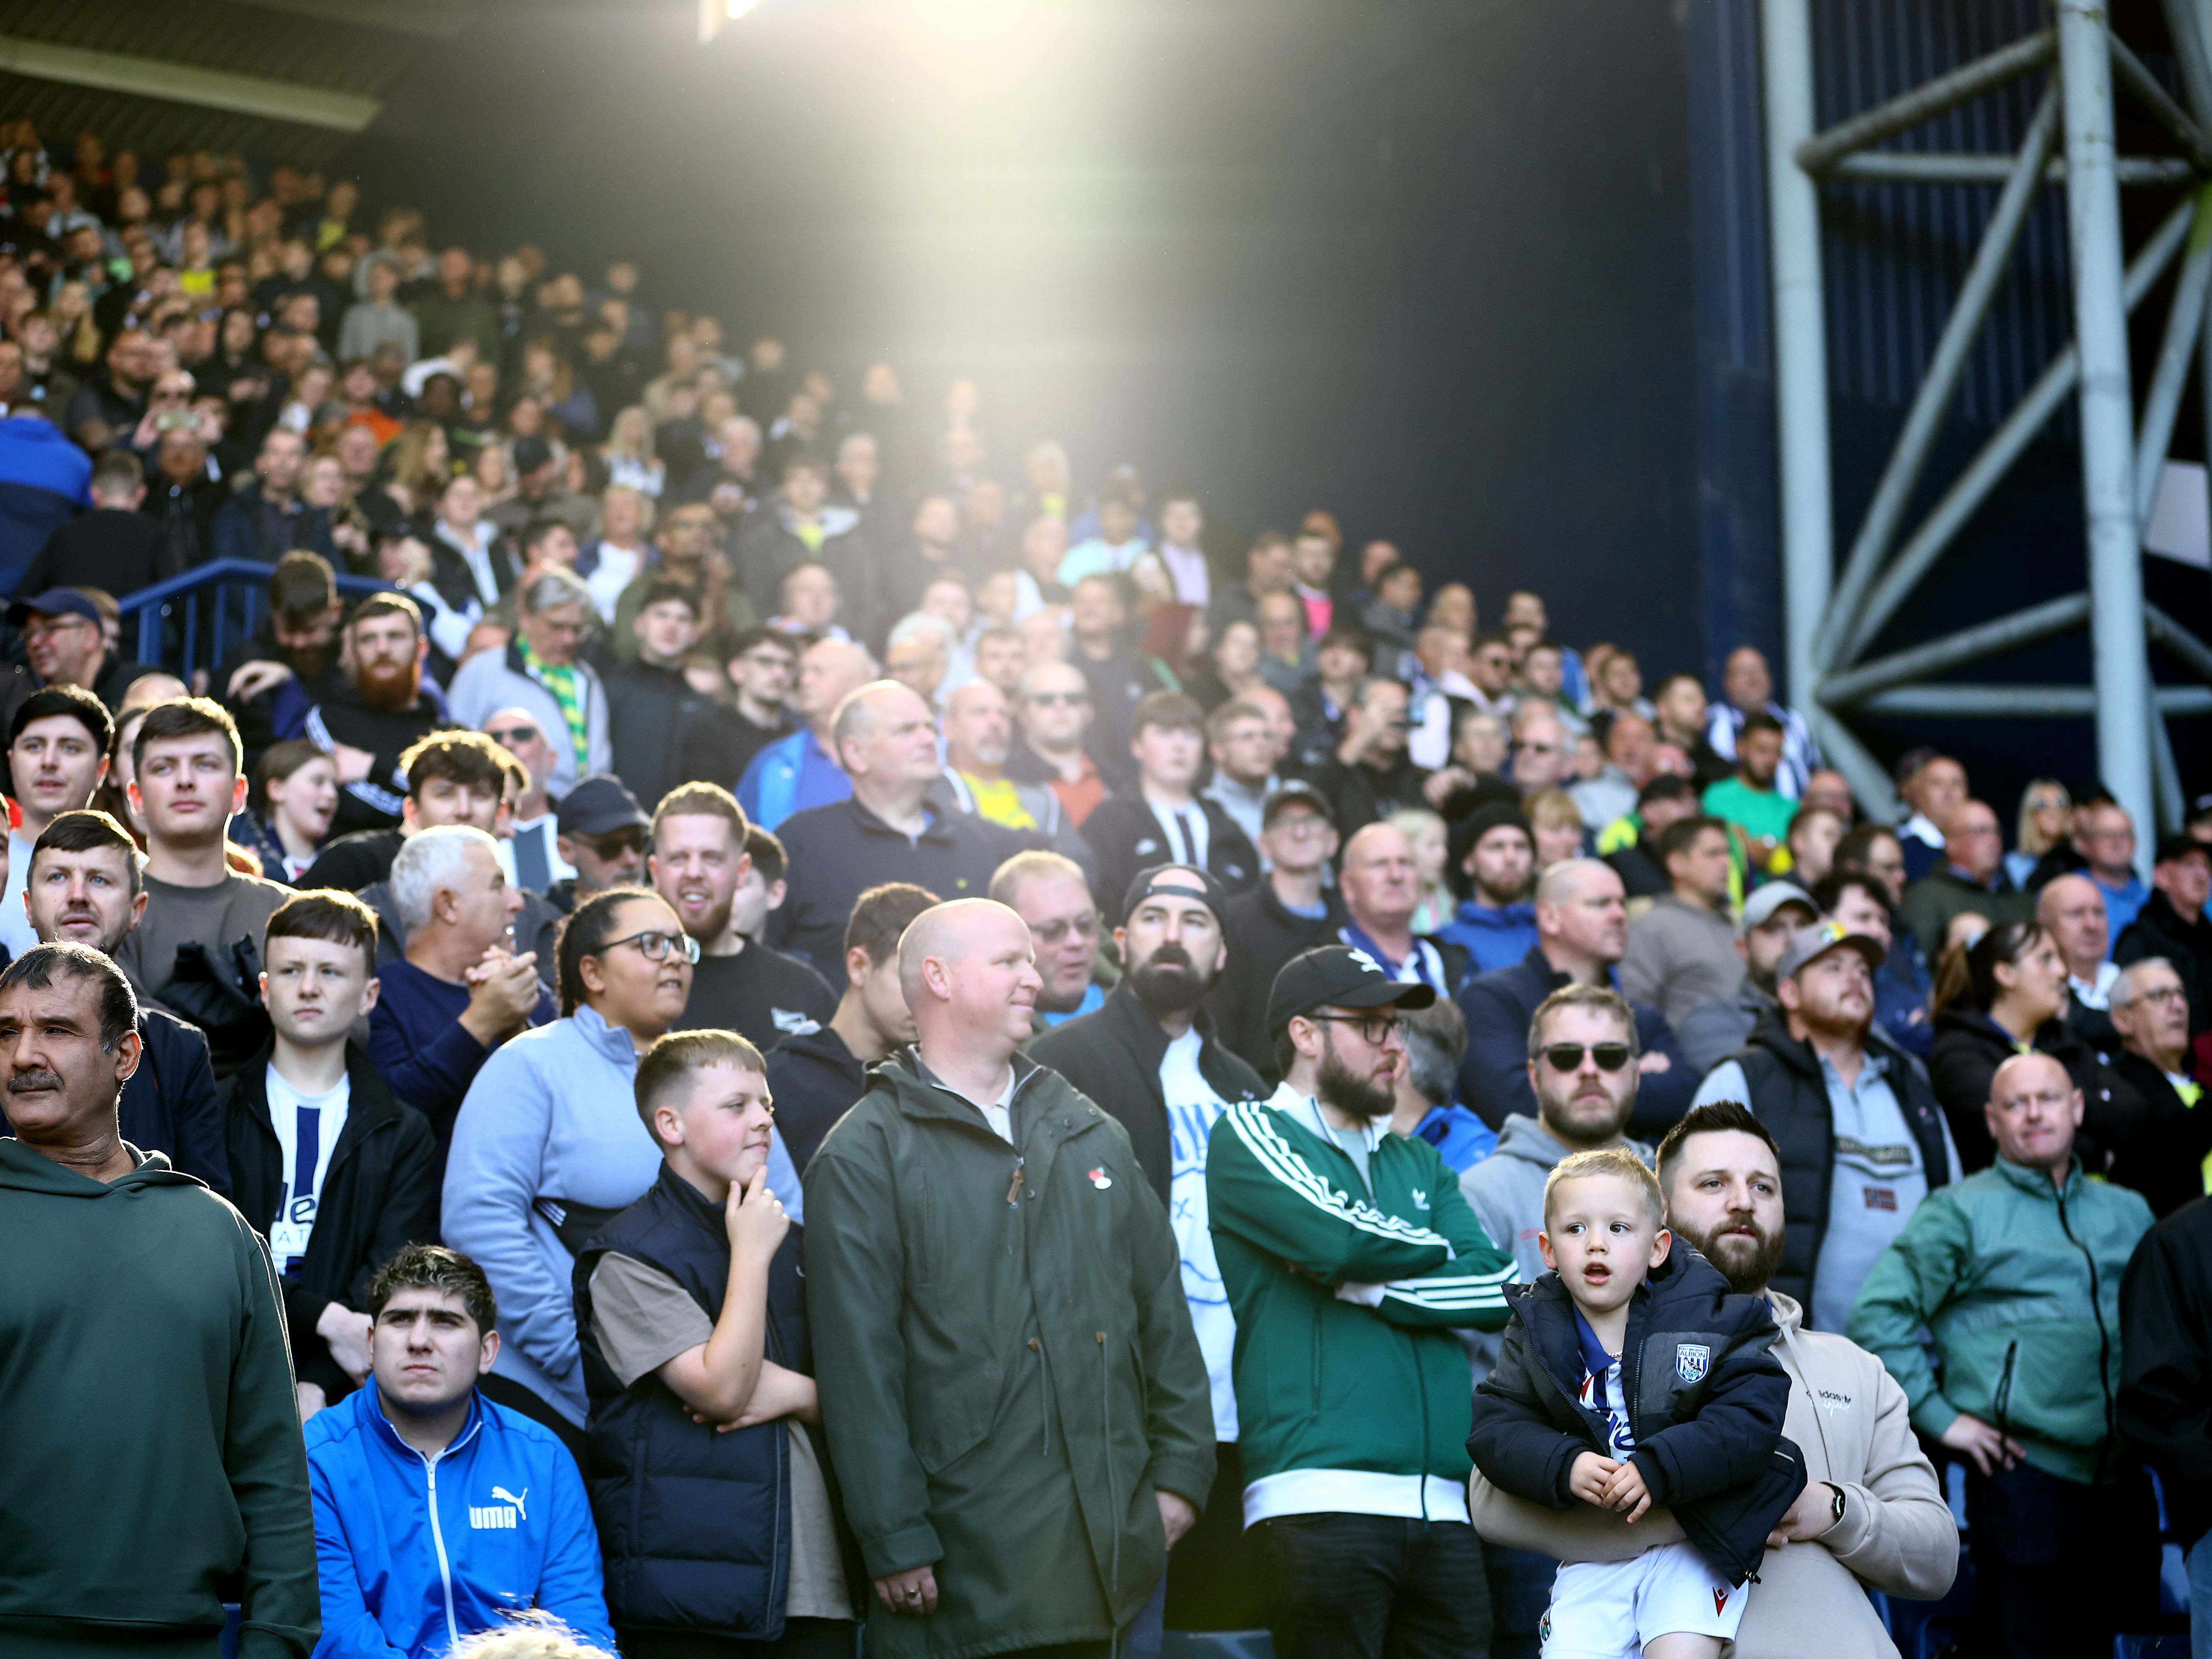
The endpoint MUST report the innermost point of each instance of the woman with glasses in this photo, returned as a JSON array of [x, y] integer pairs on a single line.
[[549, 1143], [2005, 994]]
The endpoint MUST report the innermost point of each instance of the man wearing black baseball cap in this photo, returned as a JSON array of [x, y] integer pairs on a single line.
[[1352, 1421], [1150, 1057], [600, 829]]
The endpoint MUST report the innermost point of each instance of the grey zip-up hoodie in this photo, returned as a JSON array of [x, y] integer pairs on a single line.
[[1506, 1191]]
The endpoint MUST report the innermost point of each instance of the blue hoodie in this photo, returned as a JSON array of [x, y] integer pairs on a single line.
[[416, 1553], [1493, 936]]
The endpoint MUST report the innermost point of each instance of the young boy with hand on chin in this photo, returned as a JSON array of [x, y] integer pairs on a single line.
[[691, 1321], [1631, 1376]]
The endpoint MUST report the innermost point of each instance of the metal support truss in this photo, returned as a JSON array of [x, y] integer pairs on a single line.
[[1833, 616]]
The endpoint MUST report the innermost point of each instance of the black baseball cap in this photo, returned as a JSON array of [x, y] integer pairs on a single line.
[[600, 806], [1336, 975], [1182, 880], [55, 602], [2179, 844], [1296, 793], [531, 453]]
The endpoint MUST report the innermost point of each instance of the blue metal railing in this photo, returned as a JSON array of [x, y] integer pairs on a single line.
[[236, 590]]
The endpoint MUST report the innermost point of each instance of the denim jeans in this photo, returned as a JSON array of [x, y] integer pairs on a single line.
[[1374, 1586]]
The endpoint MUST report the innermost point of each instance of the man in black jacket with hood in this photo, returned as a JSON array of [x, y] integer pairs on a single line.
[[815, 1076], [650, 704], [2166, 1379], [333, 1171], [1149, 1057], [83, 888], [1289, 912], [2172, 923]]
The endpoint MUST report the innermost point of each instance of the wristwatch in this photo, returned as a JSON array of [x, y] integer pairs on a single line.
[[1836, 1507]]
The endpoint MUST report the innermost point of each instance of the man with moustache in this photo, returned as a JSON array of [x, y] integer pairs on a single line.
[[1871, 1516], [1150, 1057], [154, 1454], [1350, 1258], [83, 888], [381, 711]]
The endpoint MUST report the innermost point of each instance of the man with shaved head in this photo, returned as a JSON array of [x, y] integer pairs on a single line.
[[1581, 931], [802, 770], [1382, 889], [1017, 1407], [2015, 1272], [979, 735], [883, 736]]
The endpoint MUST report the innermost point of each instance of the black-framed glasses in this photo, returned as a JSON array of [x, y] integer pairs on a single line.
[[1376, 1029], [654, 945], [1568, 1056]]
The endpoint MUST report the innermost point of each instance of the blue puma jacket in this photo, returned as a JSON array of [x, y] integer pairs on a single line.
[[415, 1553]]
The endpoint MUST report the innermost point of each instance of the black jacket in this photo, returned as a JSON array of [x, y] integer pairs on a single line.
[[1969, 1049], [352, 862], [1362, 794], [2158, 931], [456, 584], [171, 1103], [814, 1078], [840, 851], [720, 1559], [1114, 1056], [2165, 1367], [1639, 869], [767, 551], [1706, 1402], [1790, 1097], [1493, 1075], [720, 743], [1126, 838], [2158, 1142], [110, 548], [373, 802], [649, 711], [380, 1193], [1262, 936]]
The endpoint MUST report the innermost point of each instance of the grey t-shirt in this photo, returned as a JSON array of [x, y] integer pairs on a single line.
[[642, 1319], [237, 907]]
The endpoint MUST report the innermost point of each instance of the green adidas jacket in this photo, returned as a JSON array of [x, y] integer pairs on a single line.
[[1352, 1391], [2019, 1282]]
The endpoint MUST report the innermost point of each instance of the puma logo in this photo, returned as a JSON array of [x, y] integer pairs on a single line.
[[515, 1499], [502, 1516]]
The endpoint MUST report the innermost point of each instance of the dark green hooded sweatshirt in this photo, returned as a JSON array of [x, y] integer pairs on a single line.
[[154, 1468]]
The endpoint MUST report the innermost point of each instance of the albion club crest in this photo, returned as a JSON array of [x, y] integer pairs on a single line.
[[1691, 1361]]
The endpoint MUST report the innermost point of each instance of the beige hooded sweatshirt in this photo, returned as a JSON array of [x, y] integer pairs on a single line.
[[1849, 1418]]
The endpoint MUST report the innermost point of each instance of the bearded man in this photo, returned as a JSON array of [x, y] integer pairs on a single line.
[[1871, 1516], [380, 712], [1149, 1056]]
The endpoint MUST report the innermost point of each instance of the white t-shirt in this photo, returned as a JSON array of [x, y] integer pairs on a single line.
[[15, 931], [1192, 1108], [617, 568], [308, 1129]]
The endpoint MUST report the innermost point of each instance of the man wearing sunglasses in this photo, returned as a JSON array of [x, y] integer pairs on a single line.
[[1863, 1138], [602, 833], [1350, 1258]]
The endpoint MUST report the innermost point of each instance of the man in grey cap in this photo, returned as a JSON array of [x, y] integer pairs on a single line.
[[1717, 1027], [1861, 1136], [1150, 1057]]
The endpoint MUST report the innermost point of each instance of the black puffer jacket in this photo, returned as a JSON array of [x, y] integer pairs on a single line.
[[1969, 1047], [1706, 1402]]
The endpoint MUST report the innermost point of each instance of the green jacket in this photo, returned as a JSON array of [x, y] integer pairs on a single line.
[[2019, 1282], [1005, 1360], [1352, 1391], [155, 1465]]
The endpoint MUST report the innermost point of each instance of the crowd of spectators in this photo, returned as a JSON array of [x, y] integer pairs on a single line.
[[808, 1019]]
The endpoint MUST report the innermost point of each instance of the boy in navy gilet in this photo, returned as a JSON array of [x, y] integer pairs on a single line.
[[1632, 1375]]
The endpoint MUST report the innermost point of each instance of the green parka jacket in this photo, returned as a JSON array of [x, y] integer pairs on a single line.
[[1005, 1360]]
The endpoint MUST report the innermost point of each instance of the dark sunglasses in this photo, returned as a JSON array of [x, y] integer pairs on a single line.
[[1060, 699], [1568, 1056], [509, 736]]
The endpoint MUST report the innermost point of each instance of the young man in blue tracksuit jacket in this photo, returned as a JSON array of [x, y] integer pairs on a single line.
[[437, 1512]]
